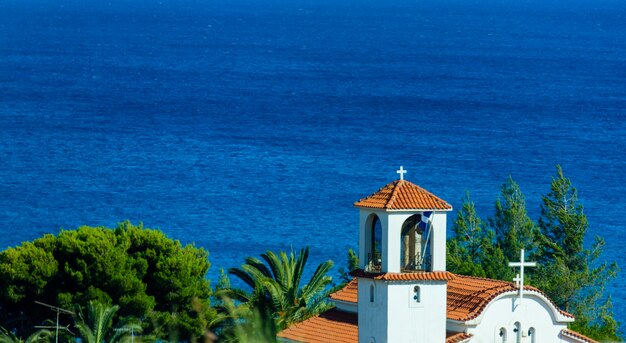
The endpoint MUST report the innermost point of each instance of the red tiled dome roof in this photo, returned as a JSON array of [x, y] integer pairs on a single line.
[[403, 195]]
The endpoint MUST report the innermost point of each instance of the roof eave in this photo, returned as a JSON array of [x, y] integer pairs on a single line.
[[404, 210], [558, 316]]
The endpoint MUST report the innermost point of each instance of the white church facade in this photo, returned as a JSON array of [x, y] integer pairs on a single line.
[[402, 293]]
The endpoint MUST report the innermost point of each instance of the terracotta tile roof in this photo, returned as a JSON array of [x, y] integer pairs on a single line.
[[467, 296], [457, 337], [330, 326], [421, 276], [576, 335], [403, 195], [349, 293], [340, 327]]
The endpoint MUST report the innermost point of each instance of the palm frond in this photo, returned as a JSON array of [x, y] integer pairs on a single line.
[[276, 265], [258, 264], [7, 336], [275, 283], [319, 281], [40, 336], [243, 276], [235, 294]]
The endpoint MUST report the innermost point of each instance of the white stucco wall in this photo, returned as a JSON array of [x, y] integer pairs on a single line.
[[372, 315], [396, 317], [392, 241], [505, 311]]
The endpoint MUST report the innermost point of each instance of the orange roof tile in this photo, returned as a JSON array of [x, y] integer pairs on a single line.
[[467, 296], [416, 276], [330, 326], [457, 337], [403, 195], [576, 335], [349, 293]]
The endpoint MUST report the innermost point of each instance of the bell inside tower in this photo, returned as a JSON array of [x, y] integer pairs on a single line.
[[414, 248]]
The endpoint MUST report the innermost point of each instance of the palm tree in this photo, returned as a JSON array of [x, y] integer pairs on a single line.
[[39, 336], [276, 286], [97, 325], [247, 325]]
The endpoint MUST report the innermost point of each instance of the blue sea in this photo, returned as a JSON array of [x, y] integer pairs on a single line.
[[243, 126]]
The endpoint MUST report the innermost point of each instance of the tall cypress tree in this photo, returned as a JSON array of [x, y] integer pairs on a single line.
[[568, 272], [513, 228], [472, 249], [465, 248]]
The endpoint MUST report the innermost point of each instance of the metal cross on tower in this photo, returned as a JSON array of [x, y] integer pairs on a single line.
[[520, 277], [401, 171]]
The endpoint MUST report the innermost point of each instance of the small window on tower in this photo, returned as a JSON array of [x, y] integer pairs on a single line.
[[371, 293], [416, 294]]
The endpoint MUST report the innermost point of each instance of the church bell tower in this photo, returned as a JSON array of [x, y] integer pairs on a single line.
[[402, 274]]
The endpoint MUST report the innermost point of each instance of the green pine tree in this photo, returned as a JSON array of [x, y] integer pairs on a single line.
[[466, 249], [473, 249], [569, 273], [513, 228]]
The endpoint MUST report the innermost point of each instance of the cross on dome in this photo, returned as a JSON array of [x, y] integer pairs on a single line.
[[519, 279], [401, 171]]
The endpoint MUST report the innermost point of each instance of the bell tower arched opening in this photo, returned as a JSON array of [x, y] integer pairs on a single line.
[[415, 252], [374, 243]]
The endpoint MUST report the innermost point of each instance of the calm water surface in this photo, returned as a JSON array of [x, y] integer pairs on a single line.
[[245, 126]]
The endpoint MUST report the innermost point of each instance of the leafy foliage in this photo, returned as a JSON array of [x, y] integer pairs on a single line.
[[276, 286], [352, 265], [147, 274]]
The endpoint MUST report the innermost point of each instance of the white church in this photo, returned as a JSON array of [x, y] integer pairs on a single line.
[[402, 293]]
